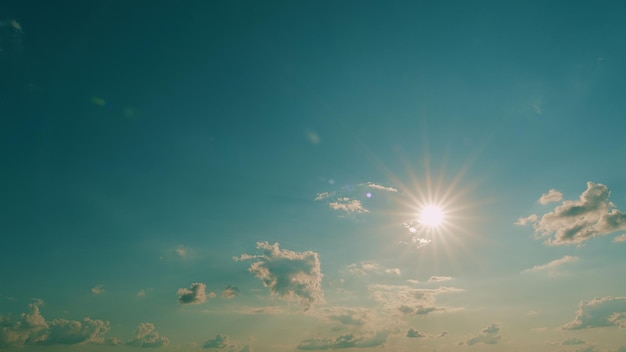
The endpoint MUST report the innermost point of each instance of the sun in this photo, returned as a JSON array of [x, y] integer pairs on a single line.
[[431, 216]]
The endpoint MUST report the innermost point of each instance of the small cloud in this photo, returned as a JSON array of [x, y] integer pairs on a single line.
[[230, 292], [181, 251], [382, 188], [620, 239], [553, 264], [348, 205], [552, 196], [573, 341], [440, 278], [531, 219], [313, 137], [98, 290], [531, 313], [409, 300], [321, 196], [211, 295], [415, 333], [146, 335], [599, 312], [288, 274], [393, 271], [195, 294], [372, 339], [489, 335], [141, 293], [222, 342]]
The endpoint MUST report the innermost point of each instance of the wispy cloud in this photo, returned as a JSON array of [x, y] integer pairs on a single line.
[[440, 278], [146, 335], [356, 340], [348, 205], [552, 196], [489, 335], [195, 294], [620, 239], [553, 264], [574, 222], [370, 268], [599, 312], [572, 341], [322, 196], [288, 274], [380, 187]]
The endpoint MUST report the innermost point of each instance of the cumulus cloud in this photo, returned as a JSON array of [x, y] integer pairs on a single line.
[[288, 274], [230, 292], [440, 278], [146, 335], [552, 196], [489, 335], [572, 341], [345, 341], [553, 264], [411, 301], [195, 294], [223, 343], [32, 329], [620, 239], [348, 205], [574, 222], [599, 312]]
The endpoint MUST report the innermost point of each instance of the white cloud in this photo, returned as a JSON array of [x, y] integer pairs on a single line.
[[552, 196], [230, 292], [321, 196], [348, 205], [440, 278], [288, 275], [553, 264], [195, 294], [410, 301], [574, 222], [379, 187], [572, 341], [367, 340], [32, 328], [98, 290], [599, 312], [146, 335], [365, 268], [620, 239], [489, 335]]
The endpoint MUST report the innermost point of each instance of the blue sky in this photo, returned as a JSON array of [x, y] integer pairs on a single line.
[[246, 176]]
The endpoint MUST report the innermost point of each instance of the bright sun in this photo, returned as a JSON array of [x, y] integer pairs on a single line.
[[431, 216]]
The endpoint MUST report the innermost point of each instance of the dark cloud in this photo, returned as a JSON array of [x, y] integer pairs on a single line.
[[288, 275], [195, 294]]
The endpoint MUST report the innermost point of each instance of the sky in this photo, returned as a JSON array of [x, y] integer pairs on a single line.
[[283, 176]]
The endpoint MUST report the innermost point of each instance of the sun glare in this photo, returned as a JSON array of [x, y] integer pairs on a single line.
[[431, 216]]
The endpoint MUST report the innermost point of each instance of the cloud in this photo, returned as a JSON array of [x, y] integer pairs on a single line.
[[553, 264], [141, 293], [321, 196], [347, 316], [599, 312], [620, 239], [415, 333], [230, 292], [195, 294], [552, 196], [574, 222], [411, 301], [146, 335], [32, 329], [348, 205], [369, 268], [379, 187], [181, 251], [345, 341], [573, 341], [289, 275], [489, 335], [440, 278], [98, 290], [223, 343]]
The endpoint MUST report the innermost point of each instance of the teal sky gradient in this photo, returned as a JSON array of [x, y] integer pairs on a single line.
[[248, 176]]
